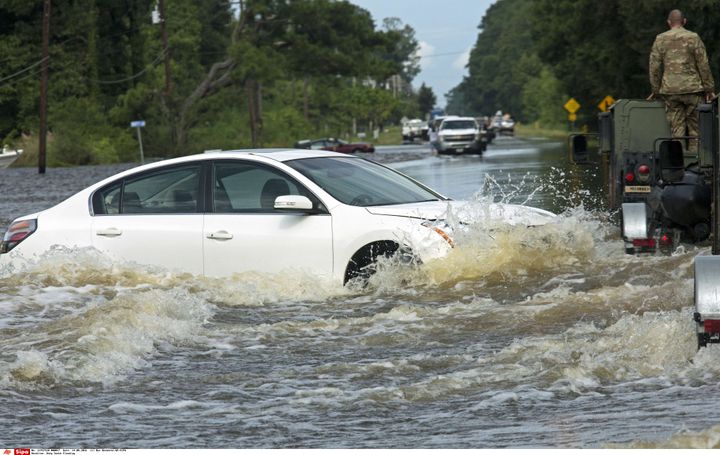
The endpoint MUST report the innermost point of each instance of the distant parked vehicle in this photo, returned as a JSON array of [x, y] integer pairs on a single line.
[[413, 129], [335, 145], [507, 125], [7, 157]]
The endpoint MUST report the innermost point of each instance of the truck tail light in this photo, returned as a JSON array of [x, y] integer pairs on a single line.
[[711, 325], [16, 233], [643, 173], [644, 243]]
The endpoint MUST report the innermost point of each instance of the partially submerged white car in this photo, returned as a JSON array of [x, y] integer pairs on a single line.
[[221, 213]]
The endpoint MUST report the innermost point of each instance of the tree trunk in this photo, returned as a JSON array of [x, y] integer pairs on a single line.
[[306, 102], [251, 100]]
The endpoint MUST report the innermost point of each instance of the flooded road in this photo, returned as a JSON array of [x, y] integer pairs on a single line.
[[545, 337]]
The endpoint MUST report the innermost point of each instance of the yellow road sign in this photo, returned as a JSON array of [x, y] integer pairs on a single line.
[[572, 117], [606, 103], [572, 106]]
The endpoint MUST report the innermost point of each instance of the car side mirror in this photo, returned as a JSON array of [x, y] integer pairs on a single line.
[[672, 161], [293, 203], [579, 149]]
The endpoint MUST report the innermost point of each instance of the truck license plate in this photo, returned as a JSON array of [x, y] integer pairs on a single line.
[[637, 189]]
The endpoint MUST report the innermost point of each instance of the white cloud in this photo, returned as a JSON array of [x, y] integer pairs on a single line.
[[462, 60], [425, 49]]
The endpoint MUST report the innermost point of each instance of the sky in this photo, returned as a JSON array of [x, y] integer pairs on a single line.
[[446, 31]]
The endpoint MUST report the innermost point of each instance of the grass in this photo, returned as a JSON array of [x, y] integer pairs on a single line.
[[536, 130], [392, 135]]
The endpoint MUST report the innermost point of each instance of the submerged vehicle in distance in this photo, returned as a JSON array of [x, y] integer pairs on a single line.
[[8, 157], [267, 210], [336, 145]]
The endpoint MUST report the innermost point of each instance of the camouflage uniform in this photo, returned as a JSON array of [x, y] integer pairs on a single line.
[[680, 74]]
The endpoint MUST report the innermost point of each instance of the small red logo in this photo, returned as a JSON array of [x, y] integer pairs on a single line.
[[22, 451], [7, 452]]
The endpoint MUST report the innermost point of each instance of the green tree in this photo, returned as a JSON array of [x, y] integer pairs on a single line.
[[426, 99]]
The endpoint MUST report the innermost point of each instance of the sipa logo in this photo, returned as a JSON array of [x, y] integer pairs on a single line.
[[22, 451], [7, 452]]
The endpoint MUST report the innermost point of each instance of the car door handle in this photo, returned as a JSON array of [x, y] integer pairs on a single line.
[[220, 235], [109, 232]]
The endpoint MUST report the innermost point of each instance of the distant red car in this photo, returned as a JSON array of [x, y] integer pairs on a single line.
[[336, 145]]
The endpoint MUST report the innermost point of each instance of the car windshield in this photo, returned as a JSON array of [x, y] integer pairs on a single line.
[[361, 182], [458, 125]]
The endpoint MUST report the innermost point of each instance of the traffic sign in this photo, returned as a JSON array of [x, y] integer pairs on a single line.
[[572, 117], [606, 103], [137, 124], [572, 106]]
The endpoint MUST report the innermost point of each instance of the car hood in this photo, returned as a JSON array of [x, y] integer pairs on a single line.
[[468, 212], [457, 132]]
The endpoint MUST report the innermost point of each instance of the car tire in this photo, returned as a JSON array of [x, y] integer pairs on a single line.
[[362, 264]]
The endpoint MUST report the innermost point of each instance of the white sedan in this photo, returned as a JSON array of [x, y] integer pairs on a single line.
[[221, 213]]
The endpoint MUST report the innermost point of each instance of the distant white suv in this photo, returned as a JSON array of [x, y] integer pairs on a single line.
[[414, 129], [458, 135]]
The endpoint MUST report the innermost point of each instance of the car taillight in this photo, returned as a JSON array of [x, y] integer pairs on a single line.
[[16, 233], [711, 326], [629, 177], [643, 172], [644, 243]]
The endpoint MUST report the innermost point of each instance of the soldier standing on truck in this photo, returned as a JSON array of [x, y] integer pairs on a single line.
[[680, 75]]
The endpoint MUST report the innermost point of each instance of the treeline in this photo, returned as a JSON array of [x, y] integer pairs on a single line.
[[232, 74], [532, 55]]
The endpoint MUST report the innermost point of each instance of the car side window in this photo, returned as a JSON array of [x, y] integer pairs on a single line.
[[318, 145], [107, 200], [250, 187], [172, 190]]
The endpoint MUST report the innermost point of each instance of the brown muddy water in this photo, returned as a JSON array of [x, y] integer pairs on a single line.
[[546, 337]]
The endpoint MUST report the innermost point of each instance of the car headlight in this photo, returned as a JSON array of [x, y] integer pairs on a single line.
[[443, 229]]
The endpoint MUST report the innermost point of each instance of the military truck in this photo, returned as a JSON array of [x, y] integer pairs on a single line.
[[665, 194], [661, 191], [707, 268]]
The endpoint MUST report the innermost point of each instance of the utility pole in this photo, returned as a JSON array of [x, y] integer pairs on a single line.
[[166, 50], [42, 145]]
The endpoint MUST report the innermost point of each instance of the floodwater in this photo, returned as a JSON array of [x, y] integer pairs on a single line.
[[544, 337]]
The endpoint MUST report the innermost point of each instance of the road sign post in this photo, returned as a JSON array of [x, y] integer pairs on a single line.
[[606, 103], [139, 124], [572, 107]]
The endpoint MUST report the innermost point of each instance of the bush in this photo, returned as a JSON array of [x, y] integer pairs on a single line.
[[82, 136]]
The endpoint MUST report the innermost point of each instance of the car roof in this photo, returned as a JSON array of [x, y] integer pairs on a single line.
[[277, 154], [459, 118]]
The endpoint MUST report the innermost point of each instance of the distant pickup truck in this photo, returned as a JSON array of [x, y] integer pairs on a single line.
[[458, 135], [414, 129]]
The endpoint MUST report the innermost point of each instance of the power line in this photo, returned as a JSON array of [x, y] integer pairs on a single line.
[[134, 76], [443, 54], [27, 76], [25, 69]]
